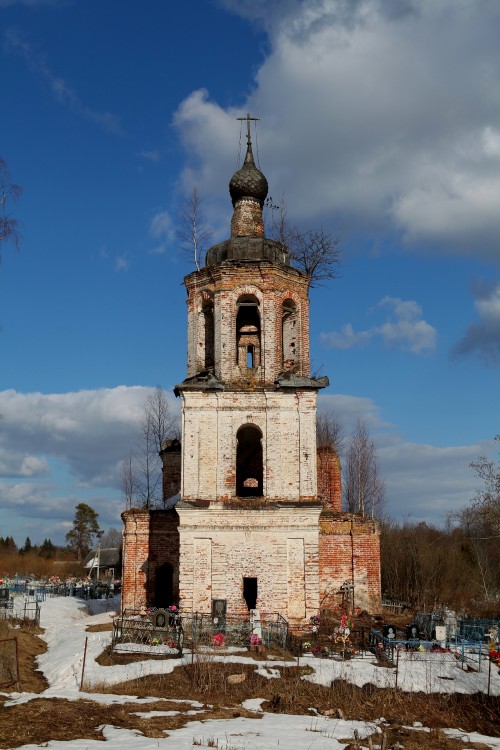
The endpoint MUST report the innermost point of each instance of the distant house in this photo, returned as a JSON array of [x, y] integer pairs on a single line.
[[107, 561]]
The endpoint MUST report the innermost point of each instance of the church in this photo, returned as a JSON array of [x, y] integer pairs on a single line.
[[253, 515]]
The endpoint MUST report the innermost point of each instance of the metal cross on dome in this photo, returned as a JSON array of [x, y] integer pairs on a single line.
[[248, 118]]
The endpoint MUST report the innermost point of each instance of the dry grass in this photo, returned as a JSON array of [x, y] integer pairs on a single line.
[[31, 680], [105, 626], [207, 681]]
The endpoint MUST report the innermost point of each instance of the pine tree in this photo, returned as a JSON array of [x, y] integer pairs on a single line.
[[28, 547], [47, 549], [85, 531]]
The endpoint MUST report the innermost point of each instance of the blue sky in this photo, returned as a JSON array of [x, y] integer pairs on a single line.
[[379, 122]]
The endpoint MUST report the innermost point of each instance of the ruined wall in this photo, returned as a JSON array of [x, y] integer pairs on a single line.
[[329, 479], [277, 546], [349, 550], [171, 458], [150, 541]]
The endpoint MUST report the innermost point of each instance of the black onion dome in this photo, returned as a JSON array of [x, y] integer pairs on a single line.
[[248, 182]]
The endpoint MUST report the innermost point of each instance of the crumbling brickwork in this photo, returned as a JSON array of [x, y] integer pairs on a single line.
[[272, 288], [349, 550], [171, 457], [150, 545], [329, 478]]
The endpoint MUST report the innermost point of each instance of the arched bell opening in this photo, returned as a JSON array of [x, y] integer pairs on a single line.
[[209, 334], [290, 335], [248, 332], [249, 462]]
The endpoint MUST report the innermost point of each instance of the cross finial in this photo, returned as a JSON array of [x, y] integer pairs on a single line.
[[248, 119]]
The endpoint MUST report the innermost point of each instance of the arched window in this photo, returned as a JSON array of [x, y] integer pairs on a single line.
[[249, 465], [208, 325], [290, 338], [248, 332]]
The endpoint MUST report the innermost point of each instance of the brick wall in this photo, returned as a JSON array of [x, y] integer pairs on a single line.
[[247, 219], [349, 550], [288, 425], [171, 456], [271, 285], [277, 546], [150, 540], [329, 478]]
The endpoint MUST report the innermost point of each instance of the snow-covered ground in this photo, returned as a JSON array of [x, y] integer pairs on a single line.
[[65, 621]]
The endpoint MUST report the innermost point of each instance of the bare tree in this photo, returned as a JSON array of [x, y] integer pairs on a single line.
[[314, 251], [487, 500], [329, 431], [193, 230], [142, 480], [364, 489], [128, 482], [9, 227], [480, 522], [111, 538]]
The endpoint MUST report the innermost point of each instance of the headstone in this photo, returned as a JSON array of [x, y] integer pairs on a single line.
[[412, 633], [389, 631], [160, 618], [219, 609], [451, 624], [440, 632], [255, 623]]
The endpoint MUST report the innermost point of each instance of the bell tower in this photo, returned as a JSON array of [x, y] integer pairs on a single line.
[[249, 421], [258, 523]]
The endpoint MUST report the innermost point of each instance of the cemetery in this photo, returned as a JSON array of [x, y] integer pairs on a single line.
[[166, 656]]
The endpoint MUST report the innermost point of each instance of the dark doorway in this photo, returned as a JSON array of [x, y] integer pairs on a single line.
[[249, 469], [164, 586], [250, 592]]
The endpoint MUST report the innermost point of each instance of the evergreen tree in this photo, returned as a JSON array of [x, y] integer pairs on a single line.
[[28, 547], [47, 549], [85, 531], [8, 544]]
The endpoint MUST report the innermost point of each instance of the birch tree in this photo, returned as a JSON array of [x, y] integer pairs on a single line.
[[9, 192], [142, 478], [364, 489], [193, 230]]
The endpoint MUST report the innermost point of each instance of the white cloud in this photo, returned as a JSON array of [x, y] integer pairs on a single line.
[[162, 228], [405, 329], [423, 482], [90, 432], [397, 124], [122, 263], [60, 449], [483, 336]]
